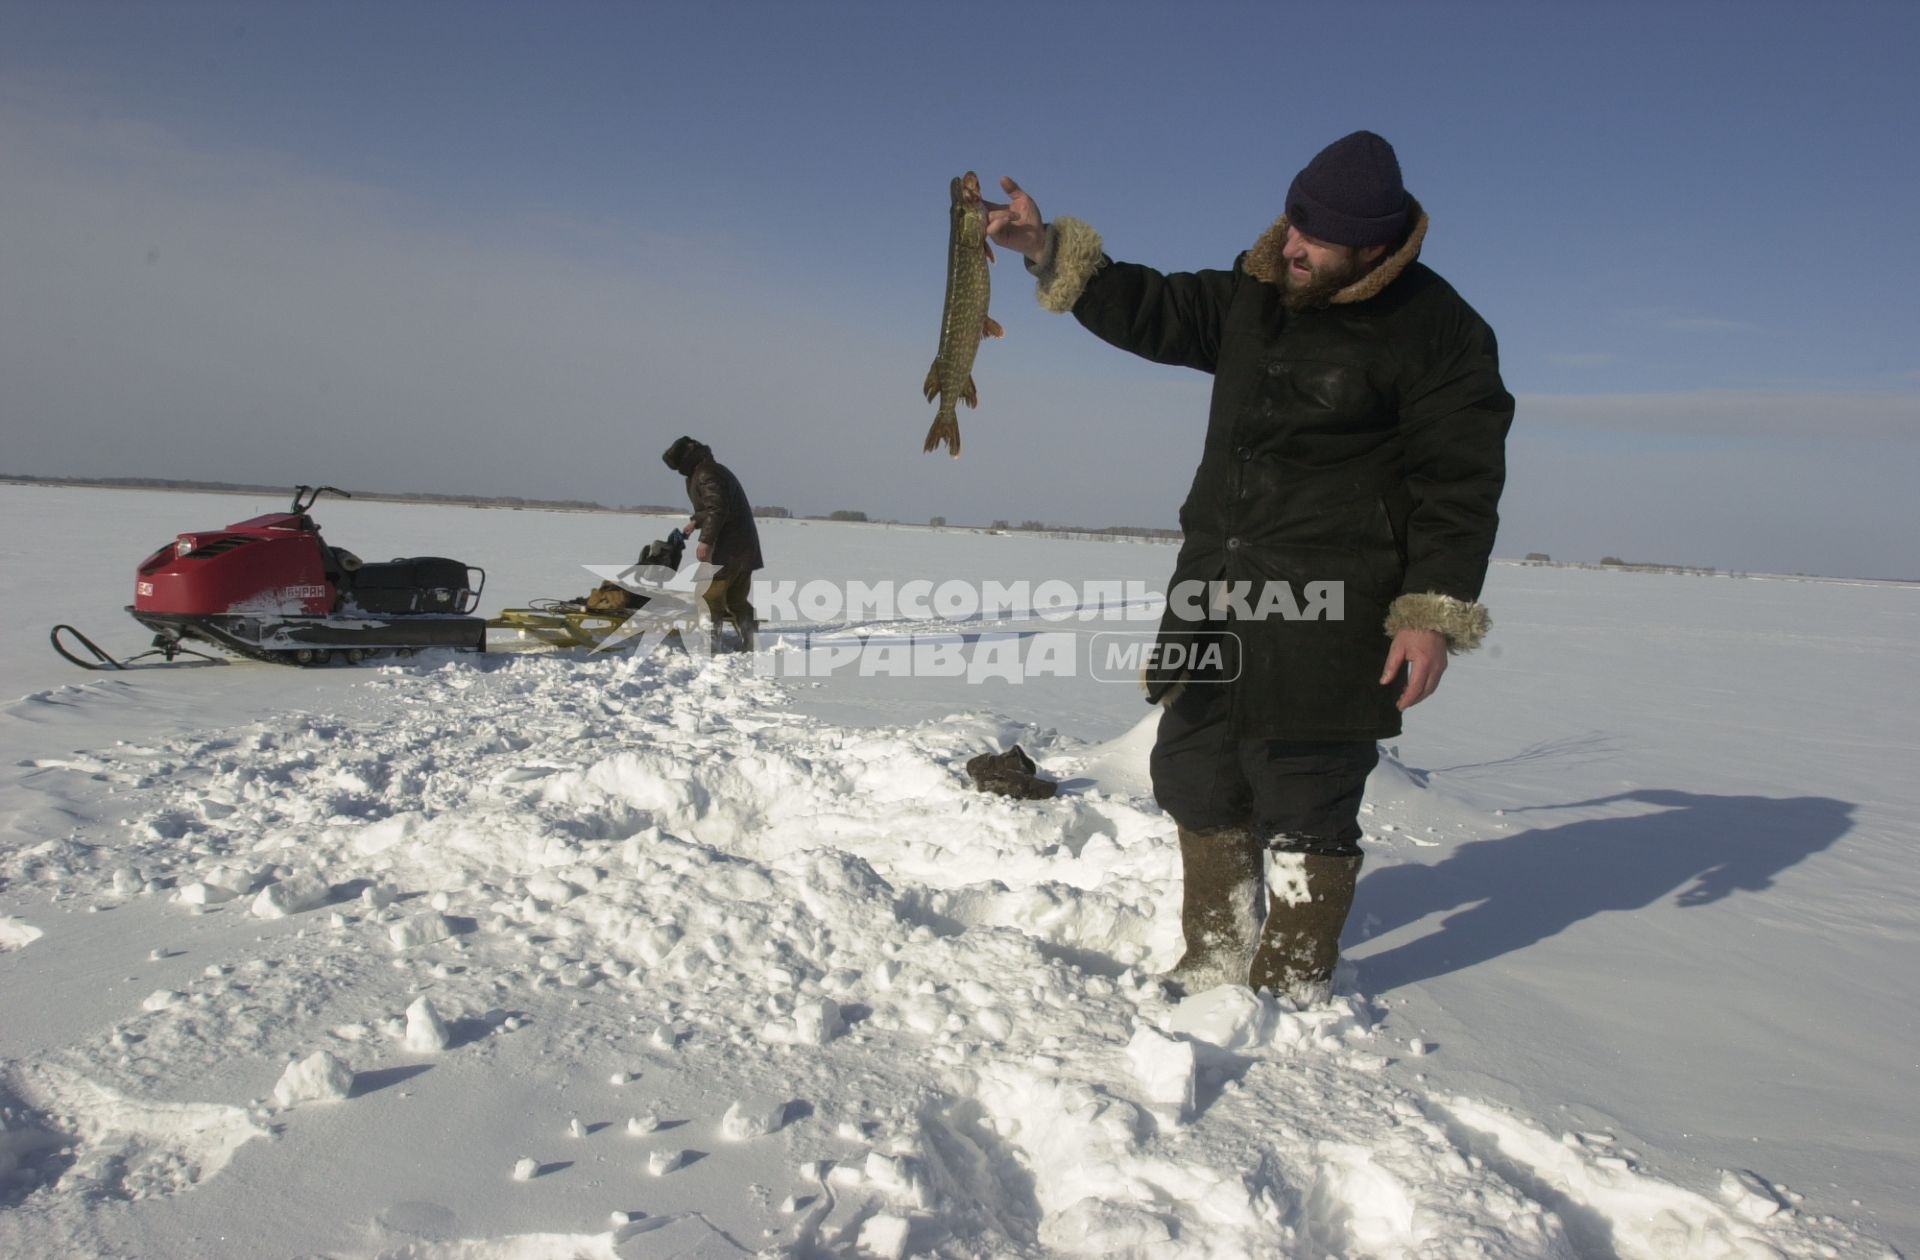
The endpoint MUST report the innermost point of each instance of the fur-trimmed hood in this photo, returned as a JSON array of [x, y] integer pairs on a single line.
[[1265, 263]]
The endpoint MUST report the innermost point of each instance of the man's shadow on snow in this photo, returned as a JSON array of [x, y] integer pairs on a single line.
[[1508, 893]]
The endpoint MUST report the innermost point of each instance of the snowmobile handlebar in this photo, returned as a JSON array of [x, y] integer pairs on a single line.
[[310, 494]]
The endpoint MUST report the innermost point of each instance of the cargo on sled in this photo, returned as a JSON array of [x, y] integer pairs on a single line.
[[605, 617]]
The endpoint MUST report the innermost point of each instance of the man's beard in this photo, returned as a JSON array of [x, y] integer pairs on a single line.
[[1319, 287]]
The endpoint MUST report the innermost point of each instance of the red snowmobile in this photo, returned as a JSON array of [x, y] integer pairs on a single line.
[[270, 588]]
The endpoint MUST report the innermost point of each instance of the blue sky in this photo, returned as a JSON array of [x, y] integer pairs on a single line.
[[519, 248]]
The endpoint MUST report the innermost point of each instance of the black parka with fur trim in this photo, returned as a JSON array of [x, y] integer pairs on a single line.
[[1362, 442]]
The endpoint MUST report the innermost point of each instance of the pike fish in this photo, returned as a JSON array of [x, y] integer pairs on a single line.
[[964, 319]]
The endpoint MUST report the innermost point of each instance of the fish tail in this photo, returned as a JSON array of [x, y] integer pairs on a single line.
[[946, 428]]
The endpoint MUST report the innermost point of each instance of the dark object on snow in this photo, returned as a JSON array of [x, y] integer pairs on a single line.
[[661, 553], [664, 552], [1010, 773]]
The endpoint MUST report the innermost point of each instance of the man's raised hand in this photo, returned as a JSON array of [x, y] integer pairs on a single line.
[[1016, 224]]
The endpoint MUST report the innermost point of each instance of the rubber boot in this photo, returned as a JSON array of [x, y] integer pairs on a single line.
[[1308, 898], [1219, 908]]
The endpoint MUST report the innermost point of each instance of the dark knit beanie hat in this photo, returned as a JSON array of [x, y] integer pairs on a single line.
[[677, 452], [1350, 194]]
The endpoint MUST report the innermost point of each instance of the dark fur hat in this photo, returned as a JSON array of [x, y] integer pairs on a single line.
[[676, 455]]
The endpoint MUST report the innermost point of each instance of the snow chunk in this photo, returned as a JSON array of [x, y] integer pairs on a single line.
[[1287, 877], [162, 999], [819, 1021], [747, 1120], [1749, 1195], [884, 1236], [1230, 1017], [426, 1031], [525, 1169], [293, 895], [1099, 1227], [204, 893], [816, 1021], [383, 835], [1165, 1068], [218, 885], [320, 1077], [660, 1163], [421, 929], [901, 1176], [557, 892], [641, 1125]]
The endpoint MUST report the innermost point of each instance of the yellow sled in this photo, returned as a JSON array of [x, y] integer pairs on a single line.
[[569, 623], [560, 627], [589, 622]]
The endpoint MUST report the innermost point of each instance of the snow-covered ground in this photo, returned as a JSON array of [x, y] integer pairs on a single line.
[[545, 955]]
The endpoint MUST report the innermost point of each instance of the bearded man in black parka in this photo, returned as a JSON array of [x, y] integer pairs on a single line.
[[1355, 445]]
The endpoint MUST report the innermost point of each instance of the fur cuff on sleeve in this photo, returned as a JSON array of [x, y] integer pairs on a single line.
[[1073, 254], [1465, 624]]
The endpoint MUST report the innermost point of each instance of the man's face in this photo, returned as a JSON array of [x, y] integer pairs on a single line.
[[1316, 270]]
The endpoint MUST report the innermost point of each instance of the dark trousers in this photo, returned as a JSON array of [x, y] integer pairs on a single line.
[[1297, 797]]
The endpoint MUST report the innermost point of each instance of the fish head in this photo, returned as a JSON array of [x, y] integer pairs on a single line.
[[966, 190]]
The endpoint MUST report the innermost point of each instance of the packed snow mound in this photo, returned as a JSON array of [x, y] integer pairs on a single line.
[[743, 982], [64, 1135]]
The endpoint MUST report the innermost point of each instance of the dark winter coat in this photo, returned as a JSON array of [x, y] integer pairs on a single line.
[[1360, 442], [720, 509]]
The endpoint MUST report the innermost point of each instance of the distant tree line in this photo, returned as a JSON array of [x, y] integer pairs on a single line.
[[1615, 562], [766, 512], [382, 496]]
